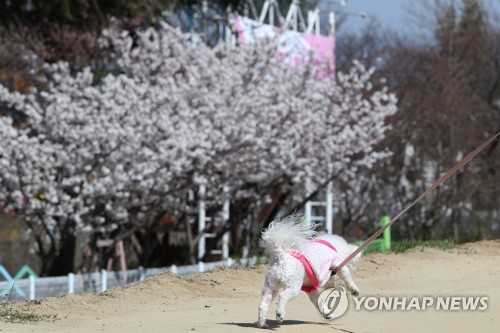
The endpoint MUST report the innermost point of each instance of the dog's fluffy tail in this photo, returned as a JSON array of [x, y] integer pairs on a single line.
[[285, 234]]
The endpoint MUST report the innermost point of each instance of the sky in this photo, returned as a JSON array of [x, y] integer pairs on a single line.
[[390, 13], [396, 15]]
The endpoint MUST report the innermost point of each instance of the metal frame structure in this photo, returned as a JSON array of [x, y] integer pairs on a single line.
[[202, 224], [324, 220], [270, 9], [294, 19]]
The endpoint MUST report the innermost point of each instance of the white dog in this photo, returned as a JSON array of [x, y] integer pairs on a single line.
[[302, 260]]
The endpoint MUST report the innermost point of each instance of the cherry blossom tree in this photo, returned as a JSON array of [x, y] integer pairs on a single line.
[[112, 156]]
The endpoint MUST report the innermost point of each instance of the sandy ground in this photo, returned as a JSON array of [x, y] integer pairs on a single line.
[[226, 300]]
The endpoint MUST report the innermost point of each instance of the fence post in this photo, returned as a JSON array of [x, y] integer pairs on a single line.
[[201, 266], [173, 269], [225, 218], [104, 280], [308, 212], [387, 233], [32, 287], [71, 283], [201, 221], [229, 262], [142, 273], [225, 245], [329, 208]]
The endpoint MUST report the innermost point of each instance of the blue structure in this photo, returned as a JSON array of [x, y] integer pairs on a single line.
[[25, 270]]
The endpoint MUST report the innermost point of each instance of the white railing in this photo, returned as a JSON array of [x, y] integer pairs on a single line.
[[101, 281]]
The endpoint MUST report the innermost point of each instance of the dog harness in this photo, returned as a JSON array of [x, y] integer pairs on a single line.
[[317, 257]]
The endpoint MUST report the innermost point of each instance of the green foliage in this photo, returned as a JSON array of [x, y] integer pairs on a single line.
[[446, 27], [455, 23], [77, 13], [21, 313], [405, 245], [472, 20], [86, 12]]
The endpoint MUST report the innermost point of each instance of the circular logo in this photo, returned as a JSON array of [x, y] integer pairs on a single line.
[[333, 302]]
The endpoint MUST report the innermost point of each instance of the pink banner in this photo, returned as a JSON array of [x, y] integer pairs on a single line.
[[296, 47]]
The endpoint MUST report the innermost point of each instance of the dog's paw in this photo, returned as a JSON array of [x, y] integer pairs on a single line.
[[355, 293], [279, 318], [262, 325]]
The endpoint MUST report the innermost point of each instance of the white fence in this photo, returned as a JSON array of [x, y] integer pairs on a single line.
[[37, 288]]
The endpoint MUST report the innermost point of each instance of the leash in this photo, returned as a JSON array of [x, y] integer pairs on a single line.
[[447, 175]]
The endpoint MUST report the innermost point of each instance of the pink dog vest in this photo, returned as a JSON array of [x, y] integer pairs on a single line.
[[317, 261]]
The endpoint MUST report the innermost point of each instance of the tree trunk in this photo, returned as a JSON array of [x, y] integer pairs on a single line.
[[59, 263], [189, 236], [456, 226]]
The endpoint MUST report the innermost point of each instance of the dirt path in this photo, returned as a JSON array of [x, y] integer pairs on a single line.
[[227, 300]]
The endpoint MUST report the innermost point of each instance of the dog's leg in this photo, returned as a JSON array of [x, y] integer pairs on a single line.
[[290, 292], [268, 294], [345, 275]]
